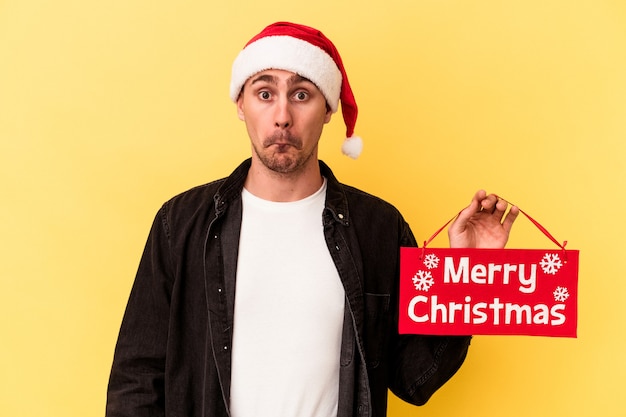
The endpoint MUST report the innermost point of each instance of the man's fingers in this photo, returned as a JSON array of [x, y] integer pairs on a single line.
[[507, 224], [490, 203], [499, 208]]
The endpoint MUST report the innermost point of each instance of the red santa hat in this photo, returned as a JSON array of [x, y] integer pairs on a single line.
[[306, 52]]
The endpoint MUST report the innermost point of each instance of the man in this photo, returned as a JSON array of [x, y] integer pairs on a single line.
[[274, 292]]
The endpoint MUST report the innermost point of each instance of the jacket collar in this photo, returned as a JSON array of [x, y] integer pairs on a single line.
[[336, 201], [231, 187]]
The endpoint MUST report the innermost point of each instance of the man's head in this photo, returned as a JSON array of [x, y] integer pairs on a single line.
[[284, 114], [307, 52]]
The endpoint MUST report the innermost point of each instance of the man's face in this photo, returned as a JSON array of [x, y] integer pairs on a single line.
[[284, 115]]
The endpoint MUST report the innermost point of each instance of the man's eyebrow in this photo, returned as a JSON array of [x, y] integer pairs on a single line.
[[268, 78], [265, 78], [297, 78]]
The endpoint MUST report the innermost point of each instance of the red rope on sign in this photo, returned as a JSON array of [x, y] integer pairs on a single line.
[[533, 221]]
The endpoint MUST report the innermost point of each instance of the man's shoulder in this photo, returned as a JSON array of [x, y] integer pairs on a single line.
[[356, 198], [360, 198], [374, 216], [226, 188], [192, 201], [197, 193]]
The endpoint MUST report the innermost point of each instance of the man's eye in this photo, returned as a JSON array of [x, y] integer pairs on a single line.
[[264, 95], [301, 95]]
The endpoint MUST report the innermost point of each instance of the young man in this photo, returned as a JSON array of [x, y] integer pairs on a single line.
[[274, 292]]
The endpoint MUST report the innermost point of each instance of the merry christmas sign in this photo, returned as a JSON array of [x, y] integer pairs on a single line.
[[489, 291]]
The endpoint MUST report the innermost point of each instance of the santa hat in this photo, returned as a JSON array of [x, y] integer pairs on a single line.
[[306, 52]]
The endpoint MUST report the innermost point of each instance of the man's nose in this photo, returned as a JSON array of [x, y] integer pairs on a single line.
[[282, 117]]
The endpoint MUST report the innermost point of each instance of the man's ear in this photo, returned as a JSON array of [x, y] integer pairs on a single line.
[[240, 112], [329, 114]]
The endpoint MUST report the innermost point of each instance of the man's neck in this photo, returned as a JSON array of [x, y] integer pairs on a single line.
[[273, 186]]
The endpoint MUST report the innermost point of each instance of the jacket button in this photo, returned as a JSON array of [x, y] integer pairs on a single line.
[[340, 216]]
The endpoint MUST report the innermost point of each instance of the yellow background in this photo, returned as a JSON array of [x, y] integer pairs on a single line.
[[108, 108]]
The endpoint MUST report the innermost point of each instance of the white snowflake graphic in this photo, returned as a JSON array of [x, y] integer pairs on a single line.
[[431, 261], [551, 263], [423, 280], [560, 294]]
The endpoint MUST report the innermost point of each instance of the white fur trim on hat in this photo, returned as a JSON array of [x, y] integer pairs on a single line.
[[289, 54]]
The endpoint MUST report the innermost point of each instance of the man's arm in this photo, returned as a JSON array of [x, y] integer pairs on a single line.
[[420, 364]]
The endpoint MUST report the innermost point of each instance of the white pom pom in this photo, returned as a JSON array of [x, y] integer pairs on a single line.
[[352, 147]]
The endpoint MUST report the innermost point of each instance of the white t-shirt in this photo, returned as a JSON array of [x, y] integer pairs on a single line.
[[288, 320]]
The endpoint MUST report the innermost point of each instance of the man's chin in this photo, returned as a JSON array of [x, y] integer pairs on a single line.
[[283, 166], [285, 163]]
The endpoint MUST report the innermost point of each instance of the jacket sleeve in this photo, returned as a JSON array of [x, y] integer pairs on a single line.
[[136, 384], [419, 364]]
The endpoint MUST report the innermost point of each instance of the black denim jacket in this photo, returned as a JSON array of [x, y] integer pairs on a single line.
[[173, 352]]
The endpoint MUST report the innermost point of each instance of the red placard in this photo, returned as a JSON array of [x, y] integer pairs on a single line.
[[488, 292]]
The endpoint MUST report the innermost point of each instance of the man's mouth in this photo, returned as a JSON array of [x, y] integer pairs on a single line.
[[282, 140]]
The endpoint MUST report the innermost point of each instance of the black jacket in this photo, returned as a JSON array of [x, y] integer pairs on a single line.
[[173, 353]]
